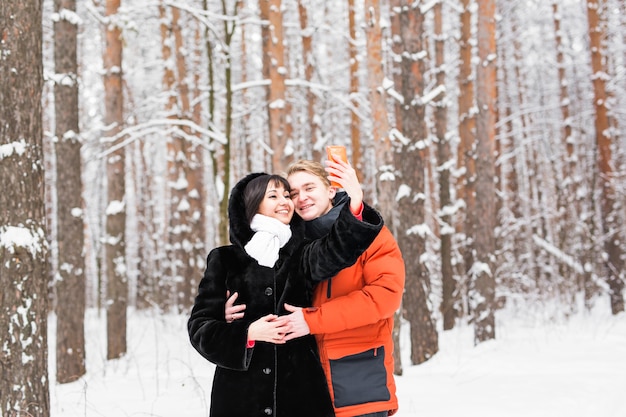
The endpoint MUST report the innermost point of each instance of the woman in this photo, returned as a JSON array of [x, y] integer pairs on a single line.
[[268, 264]]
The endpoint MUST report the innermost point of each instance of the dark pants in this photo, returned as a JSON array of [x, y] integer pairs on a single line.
[[379, 414]]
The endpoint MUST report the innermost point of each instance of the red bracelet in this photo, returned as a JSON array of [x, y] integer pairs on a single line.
[[250, 344]]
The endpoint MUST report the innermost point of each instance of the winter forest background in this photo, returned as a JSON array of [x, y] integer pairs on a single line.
[[490, 134]]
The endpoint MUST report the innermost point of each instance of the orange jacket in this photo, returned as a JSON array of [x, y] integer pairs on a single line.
[[352, 319]]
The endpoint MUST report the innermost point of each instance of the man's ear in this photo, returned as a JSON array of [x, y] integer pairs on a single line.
[[332, 192]]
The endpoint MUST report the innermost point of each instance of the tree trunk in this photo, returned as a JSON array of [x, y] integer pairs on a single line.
[[444, 155], [466, 154], [24, 385], [483, 268], [276, 72], [115, 240], [355, 122], [196, 181], [567, 190], [308, 62], [610, 216], [412, 166], [70, 287], [178, 107], [385, 178]]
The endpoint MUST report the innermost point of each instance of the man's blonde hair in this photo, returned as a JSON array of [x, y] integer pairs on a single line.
[[311, 167]]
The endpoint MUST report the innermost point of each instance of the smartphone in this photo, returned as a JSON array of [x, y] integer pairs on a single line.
[[336, 152]]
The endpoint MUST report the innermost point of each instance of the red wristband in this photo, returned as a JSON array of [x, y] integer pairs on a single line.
[[250, 344]]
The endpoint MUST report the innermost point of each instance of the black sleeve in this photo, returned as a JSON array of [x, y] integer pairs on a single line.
[[348, 238], [223, 344]]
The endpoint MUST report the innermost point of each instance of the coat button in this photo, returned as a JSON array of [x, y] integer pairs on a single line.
[[269, 291], [267, 371], [268, 411]]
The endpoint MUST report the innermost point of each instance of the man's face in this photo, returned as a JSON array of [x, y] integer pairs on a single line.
[[311, 197]]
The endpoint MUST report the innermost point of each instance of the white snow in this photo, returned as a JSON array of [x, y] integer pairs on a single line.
[[17, 148], [534, 368], [18, 236]]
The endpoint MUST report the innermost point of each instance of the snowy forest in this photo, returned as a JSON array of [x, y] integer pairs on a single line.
[[490, 134]]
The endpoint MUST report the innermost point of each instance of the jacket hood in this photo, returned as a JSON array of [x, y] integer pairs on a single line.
[[240, 232]]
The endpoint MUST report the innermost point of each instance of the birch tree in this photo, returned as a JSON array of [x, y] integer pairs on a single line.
[[24, 384]]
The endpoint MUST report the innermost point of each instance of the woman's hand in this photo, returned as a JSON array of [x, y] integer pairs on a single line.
[[270, 328], [343, 173], [299, 327], [233, 312]]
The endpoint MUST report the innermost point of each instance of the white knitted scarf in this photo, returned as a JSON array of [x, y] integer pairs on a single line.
[[271, 235]]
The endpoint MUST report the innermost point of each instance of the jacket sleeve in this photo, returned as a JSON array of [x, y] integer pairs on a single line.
[[221, 343], [348, 238], [379, 298]]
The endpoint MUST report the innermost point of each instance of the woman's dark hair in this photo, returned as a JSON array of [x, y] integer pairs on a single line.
[[254, 192]]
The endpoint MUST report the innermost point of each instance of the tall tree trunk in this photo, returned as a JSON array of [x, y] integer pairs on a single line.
[[190, 206], [309, 70], [510, 238], [221, 158], [24, 385], [483, 268], [444, 155], [385, 178], [147, 259], [412, 192], [276, 72], [467, 136], [196, 179], [568, 207], [177, 107], [115, 239], [610, 216], [355, 122], [70, 287]]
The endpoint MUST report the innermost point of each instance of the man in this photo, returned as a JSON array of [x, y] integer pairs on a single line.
[[352, 312]]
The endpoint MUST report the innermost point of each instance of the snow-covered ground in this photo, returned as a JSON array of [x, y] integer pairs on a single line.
[[536, 367]]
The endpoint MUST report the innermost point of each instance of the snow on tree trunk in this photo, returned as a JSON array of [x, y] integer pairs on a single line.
[[115, 239], [609, 204], [482, 296], [70, 286], [24, 384], [411, 195]]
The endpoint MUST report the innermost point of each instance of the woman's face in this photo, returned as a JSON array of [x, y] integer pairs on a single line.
[[277, 203]]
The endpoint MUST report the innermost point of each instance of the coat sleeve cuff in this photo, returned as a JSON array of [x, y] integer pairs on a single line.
[[359, 213]]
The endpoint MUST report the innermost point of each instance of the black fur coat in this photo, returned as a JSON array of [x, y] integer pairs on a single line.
[[270, 380]]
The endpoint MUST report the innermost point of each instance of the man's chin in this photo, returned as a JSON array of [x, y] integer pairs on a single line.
[[306, 216]]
